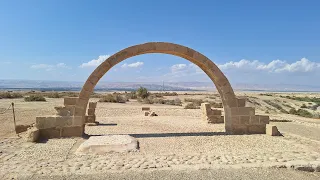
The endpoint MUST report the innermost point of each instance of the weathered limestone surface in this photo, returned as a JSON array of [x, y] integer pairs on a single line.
[[32, 134], [109, 143], [272, 130], [91, 117]]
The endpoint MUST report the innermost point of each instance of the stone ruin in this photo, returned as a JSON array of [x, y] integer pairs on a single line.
[[209, 115], [91, 117], [244, 120], [148, 112]]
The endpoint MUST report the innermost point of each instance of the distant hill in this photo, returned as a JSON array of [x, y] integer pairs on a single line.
[[152, 86]]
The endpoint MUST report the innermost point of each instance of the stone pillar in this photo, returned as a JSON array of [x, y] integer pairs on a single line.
[[91, 117]]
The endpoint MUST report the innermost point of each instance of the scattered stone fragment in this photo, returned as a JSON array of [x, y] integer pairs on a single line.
[[32, 134]]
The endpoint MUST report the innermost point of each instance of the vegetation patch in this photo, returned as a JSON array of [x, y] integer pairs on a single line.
[[192, 106], [10, 95], [277, 106], [113, 98], [303, 113], [36, 97]]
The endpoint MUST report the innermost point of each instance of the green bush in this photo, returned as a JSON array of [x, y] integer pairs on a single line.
[[303, 106], [113, 98], [35, 97], [143, 93], [131, 95], [301, 112], [10, 95], [191, 106]]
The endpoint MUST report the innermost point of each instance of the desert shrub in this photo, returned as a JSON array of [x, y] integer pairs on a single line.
[[35, 97], [301, 112], [284, 111], [267, 112], [165, 94], [54, 95], [266, 94], [143, 93], [277, 106], [131, 95], [307, 99], [191, 106], [148, 100], [10, 95], [113, 98], [155, 100], [314, 107], [303, 106], [287, 105], [197, 102], [70, 94]]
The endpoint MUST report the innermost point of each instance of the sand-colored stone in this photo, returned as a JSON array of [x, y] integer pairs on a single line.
[[108, 143], [272, 130], [93, 105], [64, 110], [32, 134], [146, 113], [70, 101], [75, 131], [145, 108], [49, 133], [91, 111]]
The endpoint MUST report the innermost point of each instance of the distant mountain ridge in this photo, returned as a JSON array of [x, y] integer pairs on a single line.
[[153, 86]]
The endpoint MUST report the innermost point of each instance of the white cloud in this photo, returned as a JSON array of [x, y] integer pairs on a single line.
[[132, 65], [95, 62], [180, 70], [49, 67], [275, 66]]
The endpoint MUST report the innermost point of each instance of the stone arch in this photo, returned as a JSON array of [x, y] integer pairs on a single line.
[[222, 84]]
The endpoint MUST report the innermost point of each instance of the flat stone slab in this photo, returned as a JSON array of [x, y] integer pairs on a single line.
[[107, 144]]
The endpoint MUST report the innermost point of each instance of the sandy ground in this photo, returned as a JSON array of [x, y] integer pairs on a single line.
[[176, 144]]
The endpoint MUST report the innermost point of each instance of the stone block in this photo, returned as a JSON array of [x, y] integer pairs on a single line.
[[206, 108], [90, 119], [92, 105], [49, 133], [254, 120], [78, 120], [264, 119], [242, 111], [153, 114], [214, 112], [257, 129], [46, 122], [145, 108], [241, 102], [235, 119], [91, 111], [32, 134], [64, 121], [215, 119], [74, 131], [146, 113], [70, 101], [272, 130], [244, 119], [239, 129]]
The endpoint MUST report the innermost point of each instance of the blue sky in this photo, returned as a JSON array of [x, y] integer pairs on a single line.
[[251, 41]]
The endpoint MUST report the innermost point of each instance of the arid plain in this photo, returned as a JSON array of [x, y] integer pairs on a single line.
[[176, 139]]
